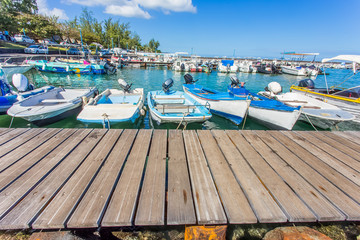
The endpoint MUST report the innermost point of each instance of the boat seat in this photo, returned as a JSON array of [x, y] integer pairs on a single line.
[[174, 108]]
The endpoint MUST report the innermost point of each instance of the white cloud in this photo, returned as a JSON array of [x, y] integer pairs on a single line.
[[136, 8], [169, 5], [130, 10], [44, 10]]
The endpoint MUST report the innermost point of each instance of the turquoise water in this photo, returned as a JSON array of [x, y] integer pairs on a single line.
[[152, 78]]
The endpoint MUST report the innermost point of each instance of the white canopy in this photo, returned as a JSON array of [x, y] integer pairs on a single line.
[[351, 58]]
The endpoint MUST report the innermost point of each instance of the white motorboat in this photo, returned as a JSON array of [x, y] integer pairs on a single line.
[[347, 98], [225, 104], [294, 70], [114, 106], [175, 106], [51, 105], [314, 111]]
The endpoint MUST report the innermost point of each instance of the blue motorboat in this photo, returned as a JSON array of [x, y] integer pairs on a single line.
[[225, 104], [175, 106]]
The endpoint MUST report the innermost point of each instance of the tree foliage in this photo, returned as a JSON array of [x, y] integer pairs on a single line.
[[19, 15]]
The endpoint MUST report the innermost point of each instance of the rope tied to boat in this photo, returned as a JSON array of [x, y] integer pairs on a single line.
[[106, 117], [246, 113], [184, 115], [310, 121]]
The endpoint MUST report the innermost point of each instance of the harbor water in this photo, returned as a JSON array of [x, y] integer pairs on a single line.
[[152, 78]]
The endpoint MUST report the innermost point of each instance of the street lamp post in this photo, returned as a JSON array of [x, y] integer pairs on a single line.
[[82, 45]]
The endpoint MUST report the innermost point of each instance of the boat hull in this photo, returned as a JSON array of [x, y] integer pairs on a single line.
[[116, 111], [44, 109], [293, 71], [175, 108], [274, 119], [347, 104], [234, 110]]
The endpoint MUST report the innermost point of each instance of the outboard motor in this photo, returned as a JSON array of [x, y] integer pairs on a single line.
[[274, 88], [124, 85], [189, 79], [109, 67], [234, 81], [167, 84], [21, 83], [308, 83], [182, 66]]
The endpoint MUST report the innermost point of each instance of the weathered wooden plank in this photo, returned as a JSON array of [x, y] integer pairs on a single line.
[[288, 167], [15, 170], [72, 191], [207, 202], [354, 134], [25, 211], [13, 134], [19, 139], [180, 204], [19, 189], [348, 160], [236, 205], [263, 204], [348, 136], [335, 171], [343, 140], [28, 146], [5, 130], [89, 211], [23, 151], [338, 145], [290, 203], [151, 207], [121, 209], [325, 157]]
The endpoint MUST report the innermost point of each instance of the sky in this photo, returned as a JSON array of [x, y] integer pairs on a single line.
[[240, 28]]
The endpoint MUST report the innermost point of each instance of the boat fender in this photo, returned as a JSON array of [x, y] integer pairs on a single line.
[[142, 112], [85, 100], [43, 67], [91, 101], [67, 68]]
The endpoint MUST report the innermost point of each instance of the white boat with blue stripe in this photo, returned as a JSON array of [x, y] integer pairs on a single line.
[[175, 106], [230, 106], [114, 106]]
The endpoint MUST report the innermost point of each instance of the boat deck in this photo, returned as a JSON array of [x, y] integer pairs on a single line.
[[90, 178]]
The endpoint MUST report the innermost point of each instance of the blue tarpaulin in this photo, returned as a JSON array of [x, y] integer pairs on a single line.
[[227, 62]]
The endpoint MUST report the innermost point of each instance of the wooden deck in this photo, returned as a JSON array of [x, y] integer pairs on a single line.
[[90, 178]]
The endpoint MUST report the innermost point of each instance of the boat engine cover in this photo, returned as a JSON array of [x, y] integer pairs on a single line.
[[124, 85], [308, 83], [189, 79], [274, 87], [20, 82], [167, 84]]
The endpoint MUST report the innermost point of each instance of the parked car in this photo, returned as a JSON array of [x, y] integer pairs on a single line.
[[103, 52], [75, 51], [48, 41], [36, 49], [23, 38]]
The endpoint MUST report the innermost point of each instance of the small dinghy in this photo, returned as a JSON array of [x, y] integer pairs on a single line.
[[225, 104], [51, 105], [114, 106], [8, 97], [271, 113], [314, 111], [175, 106]]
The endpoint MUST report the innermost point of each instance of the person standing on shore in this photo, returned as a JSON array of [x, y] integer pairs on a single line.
[[7, 37]]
